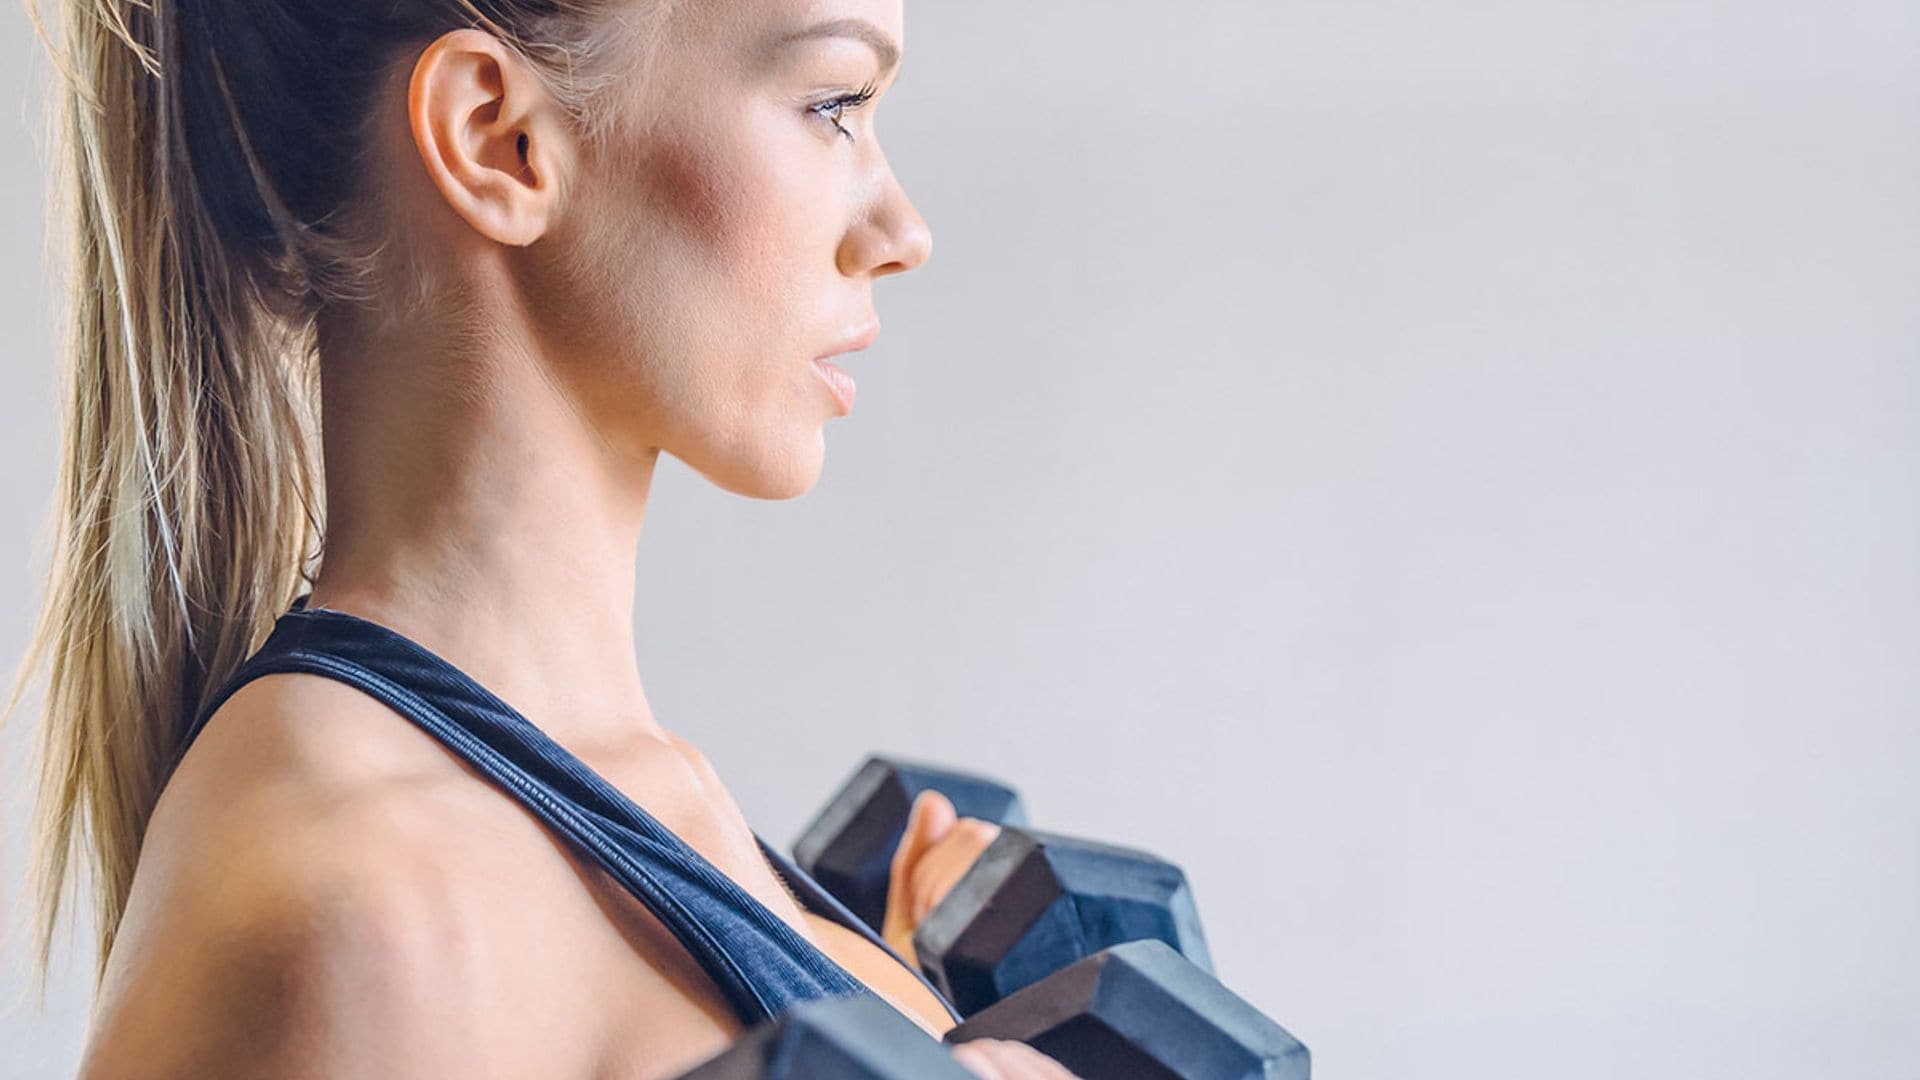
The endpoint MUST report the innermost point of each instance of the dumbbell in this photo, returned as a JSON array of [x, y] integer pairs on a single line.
[[838, 1038], [1142, 1011], [1031, 904], [1035, 902], [848, 848], [1137, 1011]]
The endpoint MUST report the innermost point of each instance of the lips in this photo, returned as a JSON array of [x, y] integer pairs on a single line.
[[836, 379], [853, 340]]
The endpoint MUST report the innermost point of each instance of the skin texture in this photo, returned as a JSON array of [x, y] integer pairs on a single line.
[[327, 891]]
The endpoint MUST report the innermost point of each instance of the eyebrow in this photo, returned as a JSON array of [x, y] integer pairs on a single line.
[[858, 30]]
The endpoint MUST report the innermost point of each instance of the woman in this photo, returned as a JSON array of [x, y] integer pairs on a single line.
[[503, 253]]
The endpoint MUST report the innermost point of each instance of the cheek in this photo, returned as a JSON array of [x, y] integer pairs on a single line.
[[708, 253], [698, 191], [741, 217]]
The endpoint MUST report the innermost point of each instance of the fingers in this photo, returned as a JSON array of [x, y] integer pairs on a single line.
[[999, 1059], [936, 850], [942, 866], [930, 818], [978, 1059]]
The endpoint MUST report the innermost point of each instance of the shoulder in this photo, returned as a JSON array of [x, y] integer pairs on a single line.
[[310, 730], [324, 870], [266, 949], [290, 915], [305, 802]]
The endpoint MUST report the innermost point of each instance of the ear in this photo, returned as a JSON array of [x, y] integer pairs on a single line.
[[490, 134]]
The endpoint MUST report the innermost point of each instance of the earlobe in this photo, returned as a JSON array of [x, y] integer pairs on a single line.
[[488, 133]]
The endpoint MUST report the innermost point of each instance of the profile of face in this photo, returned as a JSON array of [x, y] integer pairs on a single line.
[[726, 234]]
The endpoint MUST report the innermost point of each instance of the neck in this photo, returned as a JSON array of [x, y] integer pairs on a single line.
[[471, 508]]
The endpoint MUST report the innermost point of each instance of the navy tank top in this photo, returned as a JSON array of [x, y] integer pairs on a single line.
[[760, 963]]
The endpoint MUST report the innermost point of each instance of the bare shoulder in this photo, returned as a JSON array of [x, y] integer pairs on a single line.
[[325, 890], [290, 916]]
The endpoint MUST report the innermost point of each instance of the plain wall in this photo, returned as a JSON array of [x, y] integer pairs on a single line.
[[1447, 474]]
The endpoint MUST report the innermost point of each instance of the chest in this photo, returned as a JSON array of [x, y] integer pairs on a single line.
[[881, 973], [739, 857], [697, 807], [591, 958]]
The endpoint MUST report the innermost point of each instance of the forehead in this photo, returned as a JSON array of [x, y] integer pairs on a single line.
[[764, 30]]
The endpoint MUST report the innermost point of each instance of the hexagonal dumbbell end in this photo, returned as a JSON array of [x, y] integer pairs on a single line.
[[849, 847], [841, 1038], [1035, 902], [1144, 1012]]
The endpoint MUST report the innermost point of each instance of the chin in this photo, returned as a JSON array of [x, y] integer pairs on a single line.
[[765, 470]]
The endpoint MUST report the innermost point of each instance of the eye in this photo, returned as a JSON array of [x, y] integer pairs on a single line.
[[836, 108]]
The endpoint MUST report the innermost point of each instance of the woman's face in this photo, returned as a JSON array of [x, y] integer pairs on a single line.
[[727, 234]]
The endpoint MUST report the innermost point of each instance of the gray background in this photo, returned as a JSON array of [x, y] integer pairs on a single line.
[[1448, 474]]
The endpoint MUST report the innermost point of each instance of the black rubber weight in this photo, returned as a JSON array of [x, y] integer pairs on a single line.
[[849, 846], [1141, 1011], [842, 1038]]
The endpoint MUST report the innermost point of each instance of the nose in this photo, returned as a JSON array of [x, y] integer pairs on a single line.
[[891, 239]]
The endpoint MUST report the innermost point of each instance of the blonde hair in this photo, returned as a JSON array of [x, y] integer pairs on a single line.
[[211, 197]]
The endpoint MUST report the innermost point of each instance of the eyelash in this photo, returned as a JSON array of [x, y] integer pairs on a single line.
[[844, 104]]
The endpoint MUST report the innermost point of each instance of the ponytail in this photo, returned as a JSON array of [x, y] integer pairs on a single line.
[[186, 509], [218, 200]]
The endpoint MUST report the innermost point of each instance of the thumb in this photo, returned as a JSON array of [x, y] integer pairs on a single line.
[[931, 817]]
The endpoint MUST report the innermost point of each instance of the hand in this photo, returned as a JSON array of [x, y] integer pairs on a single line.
[[936, 851], [1000, 1059]]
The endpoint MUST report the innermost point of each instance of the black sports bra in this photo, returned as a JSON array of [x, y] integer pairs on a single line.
[[761, 964]]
